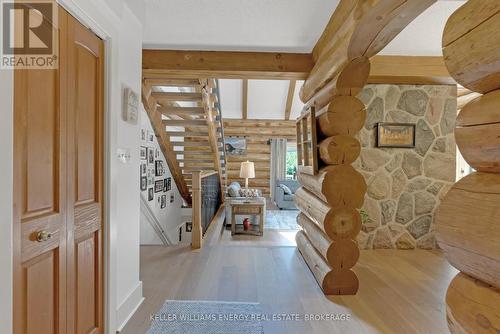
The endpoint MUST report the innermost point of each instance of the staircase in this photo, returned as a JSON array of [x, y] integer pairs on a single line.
[[186, 118]]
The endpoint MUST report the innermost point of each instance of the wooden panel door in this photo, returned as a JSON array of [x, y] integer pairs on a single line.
[[85, 167], [58, 147], [40, 197]]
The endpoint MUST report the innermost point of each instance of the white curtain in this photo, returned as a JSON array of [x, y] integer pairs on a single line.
[[278, 162]]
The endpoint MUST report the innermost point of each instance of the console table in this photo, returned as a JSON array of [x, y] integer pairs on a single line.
[[248, 209]]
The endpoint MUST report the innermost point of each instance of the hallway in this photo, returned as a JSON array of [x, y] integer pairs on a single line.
[[395, 285]]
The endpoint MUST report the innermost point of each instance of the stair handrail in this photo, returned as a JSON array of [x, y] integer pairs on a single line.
[[154, 222], [222, 136]]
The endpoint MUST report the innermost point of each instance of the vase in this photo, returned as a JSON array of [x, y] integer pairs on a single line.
[[246, 224]]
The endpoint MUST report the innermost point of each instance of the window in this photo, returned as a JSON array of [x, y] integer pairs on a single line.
[[291, 161]]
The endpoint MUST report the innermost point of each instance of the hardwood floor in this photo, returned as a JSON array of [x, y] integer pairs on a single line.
[[400, 291]]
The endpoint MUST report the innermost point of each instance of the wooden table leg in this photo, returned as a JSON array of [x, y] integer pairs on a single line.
[[233, 224]]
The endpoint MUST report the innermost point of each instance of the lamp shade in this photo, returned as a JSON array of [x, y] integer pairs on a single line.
[[247, 170]]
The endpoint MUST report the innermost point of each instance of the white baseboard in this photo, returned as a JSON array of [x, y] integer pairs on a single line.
[[127, 309]]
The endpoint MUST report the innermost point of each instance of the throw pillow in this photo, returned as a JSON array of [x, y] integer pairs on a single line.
[[234, 189], [286, 189], [249, 192]]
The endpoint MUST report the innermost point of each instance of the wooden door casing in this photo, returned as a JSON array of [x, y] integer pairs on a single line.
[[58, 170]]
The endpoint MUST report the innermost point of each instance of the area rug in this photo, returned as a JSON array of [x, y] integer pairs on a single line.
[[281, 220], [207, 317]]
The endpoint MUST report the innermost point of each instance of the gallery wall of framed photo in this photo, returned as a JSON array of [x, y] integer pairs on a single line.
[[156, 184]]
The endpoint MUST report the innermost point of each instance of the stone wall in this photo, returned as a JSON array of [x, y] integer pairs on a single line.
[[406, 185]]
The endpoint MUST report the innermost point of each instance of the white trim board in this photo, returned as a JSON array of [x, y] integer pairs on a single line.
[[129, 306]]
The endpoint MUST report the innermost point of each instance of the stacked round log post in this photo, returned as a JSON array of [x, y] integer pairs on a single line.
[[329, 201], [468, 218]]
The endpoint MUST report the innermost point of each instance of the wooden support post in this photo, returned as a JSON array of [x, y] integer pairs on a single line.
[[197, 233], [244, 99], [472, 306], [356, 32], [467, 223], [289, 99]]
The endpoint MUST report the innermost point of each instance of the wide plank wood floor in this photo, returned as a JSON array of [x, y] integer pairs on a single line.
[[400, 291]]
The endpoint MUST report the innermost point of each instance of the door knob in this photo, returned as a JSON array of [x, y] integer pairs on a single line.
[[43, 236]]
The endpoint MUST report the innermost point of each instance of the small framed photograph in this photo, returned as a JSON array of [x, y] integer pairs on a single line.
[[158, 186], [159, 170], [169, 183], [151, 158], [172, 198], [144, 183], [143, 134], [165, 186], [130, 112], [151, 136], [143, 169], [235, 145], [151, 176], [163, 203], [396, 135], [143, 153], [157, 153], [151, 194], [189, 226]]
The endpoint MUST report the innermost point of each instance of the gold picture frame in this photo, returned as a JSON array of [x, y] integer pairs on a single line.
[[396, 135]]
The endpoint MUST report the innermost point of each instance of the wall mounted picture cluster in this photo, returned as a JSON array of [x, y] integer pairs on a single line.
[[151, 166]]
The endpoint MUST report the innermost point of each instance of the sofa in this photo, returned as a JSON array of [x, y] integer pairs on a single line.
[[283, 200]]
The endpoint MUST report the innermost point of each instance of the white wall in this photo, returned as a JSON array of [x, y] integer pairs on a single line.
[[6, 168], [129, 286], [170, 216], [122, 32]]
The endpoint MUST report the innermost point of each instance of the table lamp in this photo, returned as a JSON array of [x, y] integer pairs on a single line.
[[247, 171]]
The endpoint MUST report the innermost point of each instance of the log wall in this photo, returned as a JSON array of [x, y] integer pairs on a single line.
[[330, 200], [258, 133], [468, 224]]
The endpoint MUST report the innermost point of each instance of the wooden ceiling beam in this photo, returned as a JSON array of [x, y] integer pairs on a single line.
[[415, 70], [289, 99], [357, 30], [244, 104], [224, 64]]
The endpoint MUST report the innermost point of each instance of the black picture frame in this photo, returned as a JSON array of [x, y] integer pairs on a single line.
[[143, 153], [165, 187], [189, 226], [143, 168], [163, 204], [144, 183], [151, 157], [151, 194], [406, 132], [169, 183], [158, 186], [159, 169]]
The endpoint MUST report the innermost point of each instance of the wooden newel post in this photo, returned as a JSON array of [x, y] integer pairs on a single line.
[[197, 232]]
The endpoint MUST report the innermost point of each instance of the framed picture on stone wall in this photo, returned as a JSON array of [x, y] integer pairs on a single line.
[[396, 135]]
